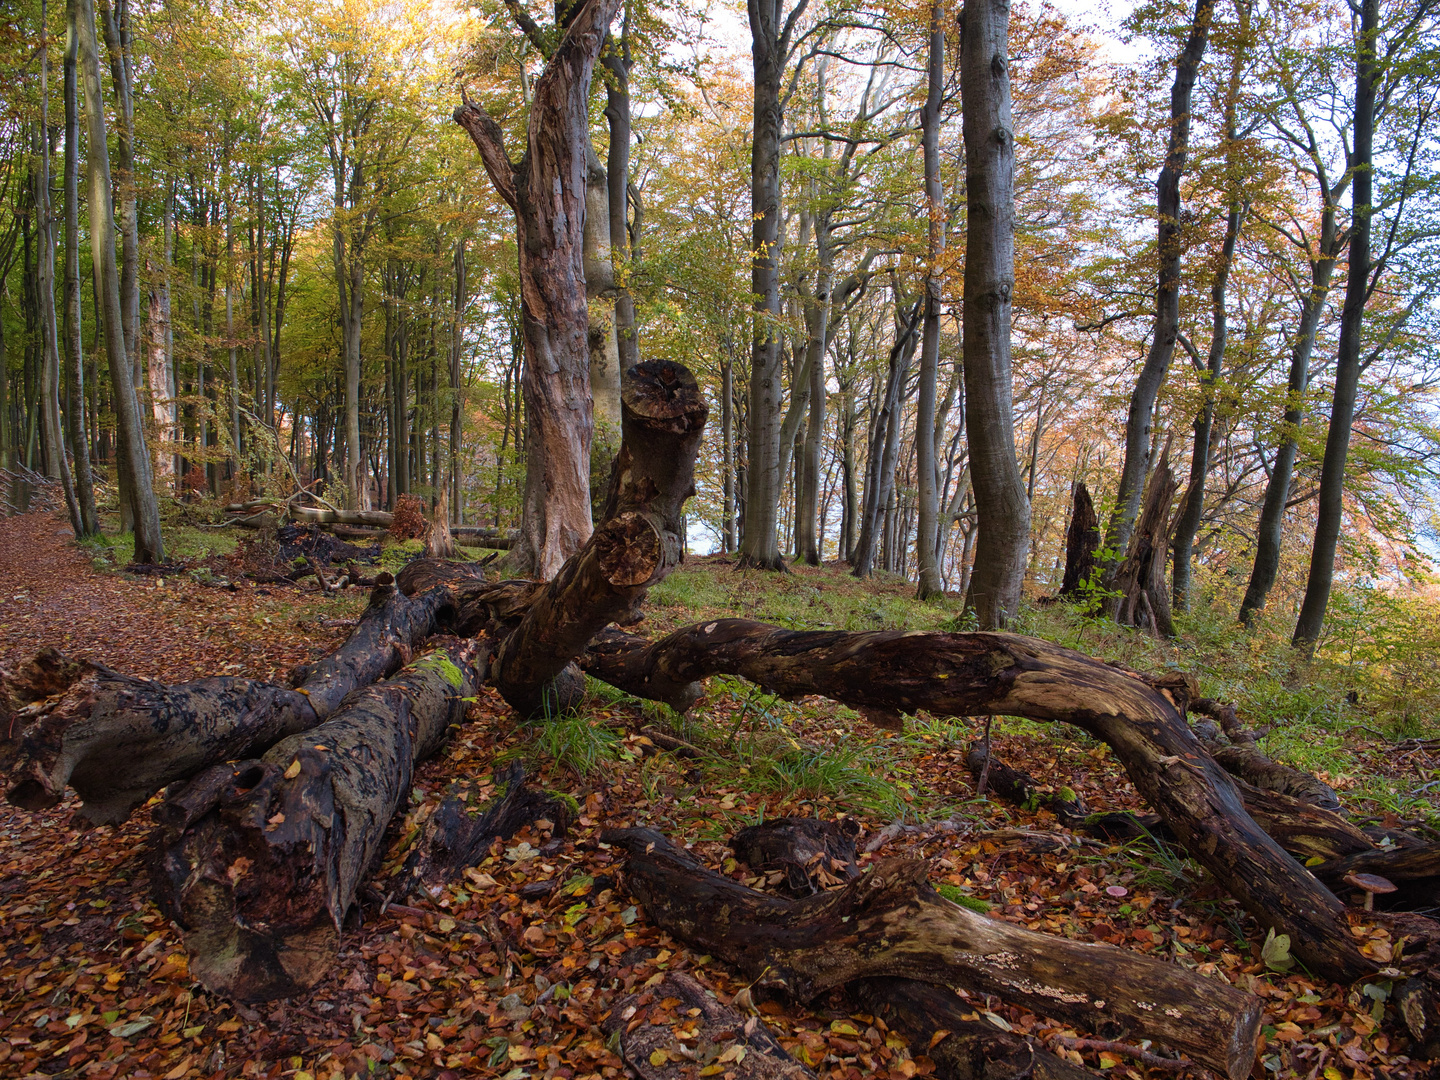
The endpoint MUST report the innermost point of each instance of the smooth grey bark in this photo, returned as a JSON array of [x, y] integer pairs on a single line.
[[54, 433], [1003, 510], [133, 456], [457, 386], [605, 367], [727, 436], [1192, 504], [1347, 360], [617, 63], [885, 441], [927, 535], [1167, 294], [115, 21], [74, 355], [771, 33]]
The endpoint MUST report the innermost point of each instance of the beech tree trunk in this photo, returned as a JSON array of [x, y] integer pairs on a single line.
[[258, 861], [1167, 293], [882, 672], [1144, 599], [117, 740], [640, 541], [546, 189], [809, 946], [1002, 506]]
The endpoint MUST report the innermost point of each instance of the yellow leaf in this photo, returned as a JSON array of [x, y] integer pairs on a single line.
[[658, 1058], [1108, 1060], [843, 1027], [712, 1070], [938, 1037], [294, 770]]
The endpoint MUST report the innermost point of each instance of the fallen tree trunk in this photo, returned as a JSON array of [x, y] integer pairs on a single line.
[[1238, 753], [890, 922], [807, 856], [117, 740], [1415, 871], [967, 1049], [639, 541], [970, 674], [259, 860]]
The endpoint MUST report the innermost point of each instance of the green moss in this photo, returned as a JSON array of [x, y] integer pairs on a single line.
[[439, 662], [955, 896]]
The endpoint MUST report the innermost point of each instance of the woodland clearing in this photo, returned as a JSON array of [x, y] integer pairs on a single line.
[[513, 969]]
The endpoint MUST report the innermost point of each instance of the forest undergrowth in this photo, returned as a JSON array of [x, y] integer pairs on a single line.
[[511, 971]]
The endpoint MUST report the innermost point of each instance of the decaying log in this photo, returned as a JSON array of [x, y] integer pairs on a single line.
[[742, 1046], [890, 922], [639, 541], [1004, 674], [1240, 756], [420, 574], [808, 854], [1082, 540], [1303, 829], [1414, 870], [1419, 1005], [117, 740], [1144, 593], [454, 837], [815, 855], [259, 860], [967, 1049]]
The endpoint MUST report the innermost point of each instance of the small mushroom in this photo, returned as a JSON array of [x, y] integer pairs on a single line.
[[1370, 884]]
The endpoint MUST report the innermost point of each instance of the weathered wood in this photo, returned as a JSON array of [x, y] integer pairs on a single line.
[[1082, 540], [420, 574], [890, 922], [259, 860], [117, 740], [1144, 591], [967, 1049], [454, 837], [1415, 870], [742, 1046], [1021, 789], [808, 854], [638, 543], [1419, 1005], [1003, 674], [1238, 753]]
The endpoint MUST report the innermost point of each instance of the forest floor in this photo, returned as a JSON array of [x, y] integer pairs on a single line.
[[93, 980]]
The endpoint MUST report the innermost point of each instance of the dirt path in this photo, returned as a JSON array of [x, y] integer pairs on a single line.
[[171, 629]]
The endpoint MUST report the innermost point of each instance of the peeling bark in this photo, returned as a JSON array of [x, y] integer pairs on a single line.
[[890, 922], [259, 860], [117, 740]]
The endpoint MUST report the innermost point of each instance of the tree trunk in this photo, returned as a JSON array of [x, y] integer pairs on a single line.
[[882, 672], [1331, 504], [1081, 542], [547, 192], [927, 556], [1167, 295], [1004, 511], [809, 946], [133, 455], [1192, 506], [116, 740], [1140, 582], [258, 861], [617, 63], [79, 436], [638, 544]]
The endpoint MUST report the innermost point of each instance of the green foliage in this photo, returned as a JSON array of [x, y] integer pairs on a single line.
[[572, 741], [954, 894]]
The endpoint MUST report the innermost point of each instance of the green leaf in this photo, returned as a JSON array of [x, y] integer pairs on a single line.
[[1276, 952]]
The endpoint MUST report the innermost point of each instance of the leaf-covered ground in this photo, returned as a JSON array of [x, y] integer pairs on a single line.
[[482, 981]]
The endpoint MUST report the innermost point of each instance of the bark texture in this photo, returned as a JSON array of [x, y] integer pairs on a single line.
[[1000, 498], [890, 922], [117, 740], [640, 541], [1082, 540], [546, 189], [259, 860], [885, 672], [1143, 599]]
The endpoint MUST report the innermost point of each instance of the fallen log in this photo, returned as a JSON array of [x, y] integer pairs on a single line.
[[420, 574], [891, 923], [453, 837], [1003, 674], [1239, 754], [742, 1047], [638, 543], [258, 861], [117, 740], [966, 1049], [813, 855], [1414, 870]]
